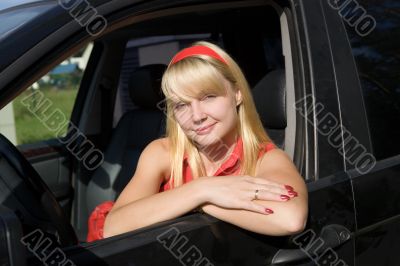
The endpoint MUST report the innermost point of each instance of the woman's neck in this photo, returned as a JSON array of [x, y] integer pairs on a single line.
[[213, 155]]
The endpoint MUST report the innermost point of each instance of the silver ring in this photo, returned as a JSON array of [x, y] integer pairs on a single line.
[[256, 194]]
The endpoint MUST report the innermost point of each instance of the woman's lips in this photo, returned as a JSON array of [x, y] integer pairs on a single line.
[[204, 130]]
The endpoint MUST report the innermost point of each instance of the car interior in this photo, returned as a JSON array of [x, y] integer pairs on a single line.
[[119, 106], [253, 36], [77, 108]]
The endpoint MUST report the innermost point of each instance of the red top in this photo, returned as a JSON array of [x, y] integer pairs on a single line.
[[230, 167]]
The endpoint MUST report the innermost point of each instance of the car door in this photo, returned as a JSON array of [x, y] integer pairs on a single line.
[[329, 237], [370, 100], [203, 240]]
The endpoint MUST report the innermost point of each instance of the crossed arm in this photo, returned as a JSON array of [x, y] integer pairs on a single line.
[[288, 217], [228, 198]]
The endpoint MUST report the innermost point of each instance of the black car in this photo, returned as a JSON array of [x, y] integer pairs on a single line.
[[82, 79]]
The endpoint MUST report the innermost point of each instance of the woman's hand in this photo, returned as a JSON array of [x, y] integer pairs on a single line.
[[240, 192]]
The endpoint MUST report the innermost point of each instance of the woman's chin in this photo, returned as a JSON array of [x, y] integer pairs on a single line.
[[206, 140]]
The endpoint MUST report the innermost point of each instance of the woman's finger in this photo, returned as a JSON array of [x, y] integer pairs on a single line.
[[263, 181], [252, 206], [271, 189], [268, 195], [259, 180]]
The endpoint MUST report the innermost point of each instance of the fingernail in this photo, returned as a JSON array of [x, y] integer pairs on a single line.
[[293, 193], [284, 197], [289, 188], [269, 211]]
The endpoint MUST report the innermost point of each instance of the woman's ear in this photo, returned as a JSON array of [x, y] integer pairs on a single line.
[[238, 96]]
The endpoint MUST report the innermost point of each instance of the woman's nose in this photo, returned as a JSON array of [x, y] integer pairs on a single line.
[[197, 112]]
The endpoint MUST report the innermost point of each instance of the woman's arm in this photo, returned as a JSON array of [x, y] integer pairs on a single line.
[[288, 217], [140, 204]]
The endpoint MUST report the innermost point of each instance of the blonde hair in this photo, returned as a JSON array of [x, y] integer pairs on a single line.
[[198, 75]]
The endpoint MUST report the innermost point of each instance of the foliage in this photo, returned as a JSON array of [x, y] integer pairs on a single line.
[[30, 128]]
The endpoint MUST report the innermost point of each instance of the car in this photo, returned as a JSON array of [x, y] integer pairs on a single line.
[[80, 99]]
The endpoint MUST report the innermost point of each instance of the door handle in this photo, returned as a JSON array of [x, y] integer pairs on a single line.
[[331, 236]]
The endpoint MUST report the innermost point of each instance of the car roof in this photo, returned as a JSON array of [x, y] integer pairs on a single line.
[[16, 13], [16, 4], [25, 23]]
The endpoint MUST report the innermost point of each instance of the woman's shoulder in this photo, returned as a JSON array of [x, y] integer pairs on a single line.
[[158, 151], [158, 148], [266, 147], [160, 145]]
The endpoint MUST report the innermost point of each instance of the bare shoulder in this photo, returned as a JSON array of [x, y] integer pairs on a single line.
[[157, 153], [159, 145], [276, 165], [275, 159]]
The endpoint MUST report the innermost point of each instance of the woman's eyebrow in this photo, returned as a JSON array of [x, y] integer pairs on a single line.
[[179, 101]]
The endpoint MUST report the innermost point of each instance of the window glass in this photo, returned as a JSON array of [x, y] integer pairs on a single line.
[[43, 111], [377, 55]]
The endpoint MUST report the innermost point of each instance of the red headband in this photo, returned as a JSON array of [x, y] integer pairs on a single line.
[[196, 50]]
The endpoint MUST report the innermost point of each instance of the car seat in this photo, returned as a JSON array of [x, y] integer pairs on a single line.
[[134, 131], [270, 99]]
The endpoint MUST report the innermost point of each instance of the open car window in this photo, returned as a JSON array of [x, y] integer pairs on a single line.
[[43, 111], [262, 52]]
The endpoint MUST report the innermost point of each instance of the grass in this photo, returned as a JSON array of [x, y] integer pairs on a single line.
[[29, 127]]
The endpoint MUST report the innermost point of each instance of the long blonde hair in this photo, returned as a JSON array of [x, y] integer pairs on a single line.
[[200, 74]]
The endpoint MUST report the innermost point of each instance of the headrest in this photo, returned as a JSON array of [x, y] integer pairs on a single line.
[[145, 85], [270, 99]]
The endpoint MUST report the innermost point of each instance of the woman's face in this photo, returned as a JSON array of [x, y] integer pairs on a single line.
[[209, 119]]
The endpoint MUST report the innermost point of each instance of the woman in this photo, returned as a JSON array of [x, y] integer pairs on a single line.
[[216, 156]]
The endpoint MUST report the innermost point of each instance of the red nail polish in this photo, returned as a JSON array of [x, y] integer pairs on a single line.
[[269, 211], [284, 197], [289, 188], [293, 193]]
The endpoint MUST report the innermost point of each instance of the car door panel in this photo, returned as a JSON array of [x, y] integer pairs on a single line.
[[53, 166], [377, 204], [219, 243], [331, 203], [375, 186], [331, 199], [55, 173], [203, 237]]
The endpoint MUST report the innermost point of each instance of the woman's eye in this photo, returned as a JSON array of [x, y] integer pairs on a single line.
[[179, 106], [208, 97]]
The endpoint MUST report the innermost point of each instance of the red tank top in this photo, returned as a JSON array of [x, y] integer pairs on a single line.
[[230, 167]]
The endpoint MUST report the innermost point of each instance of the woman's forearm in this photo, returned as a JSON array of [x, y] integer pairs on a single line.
[[213, 194], [288, 217], [156, 208]]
